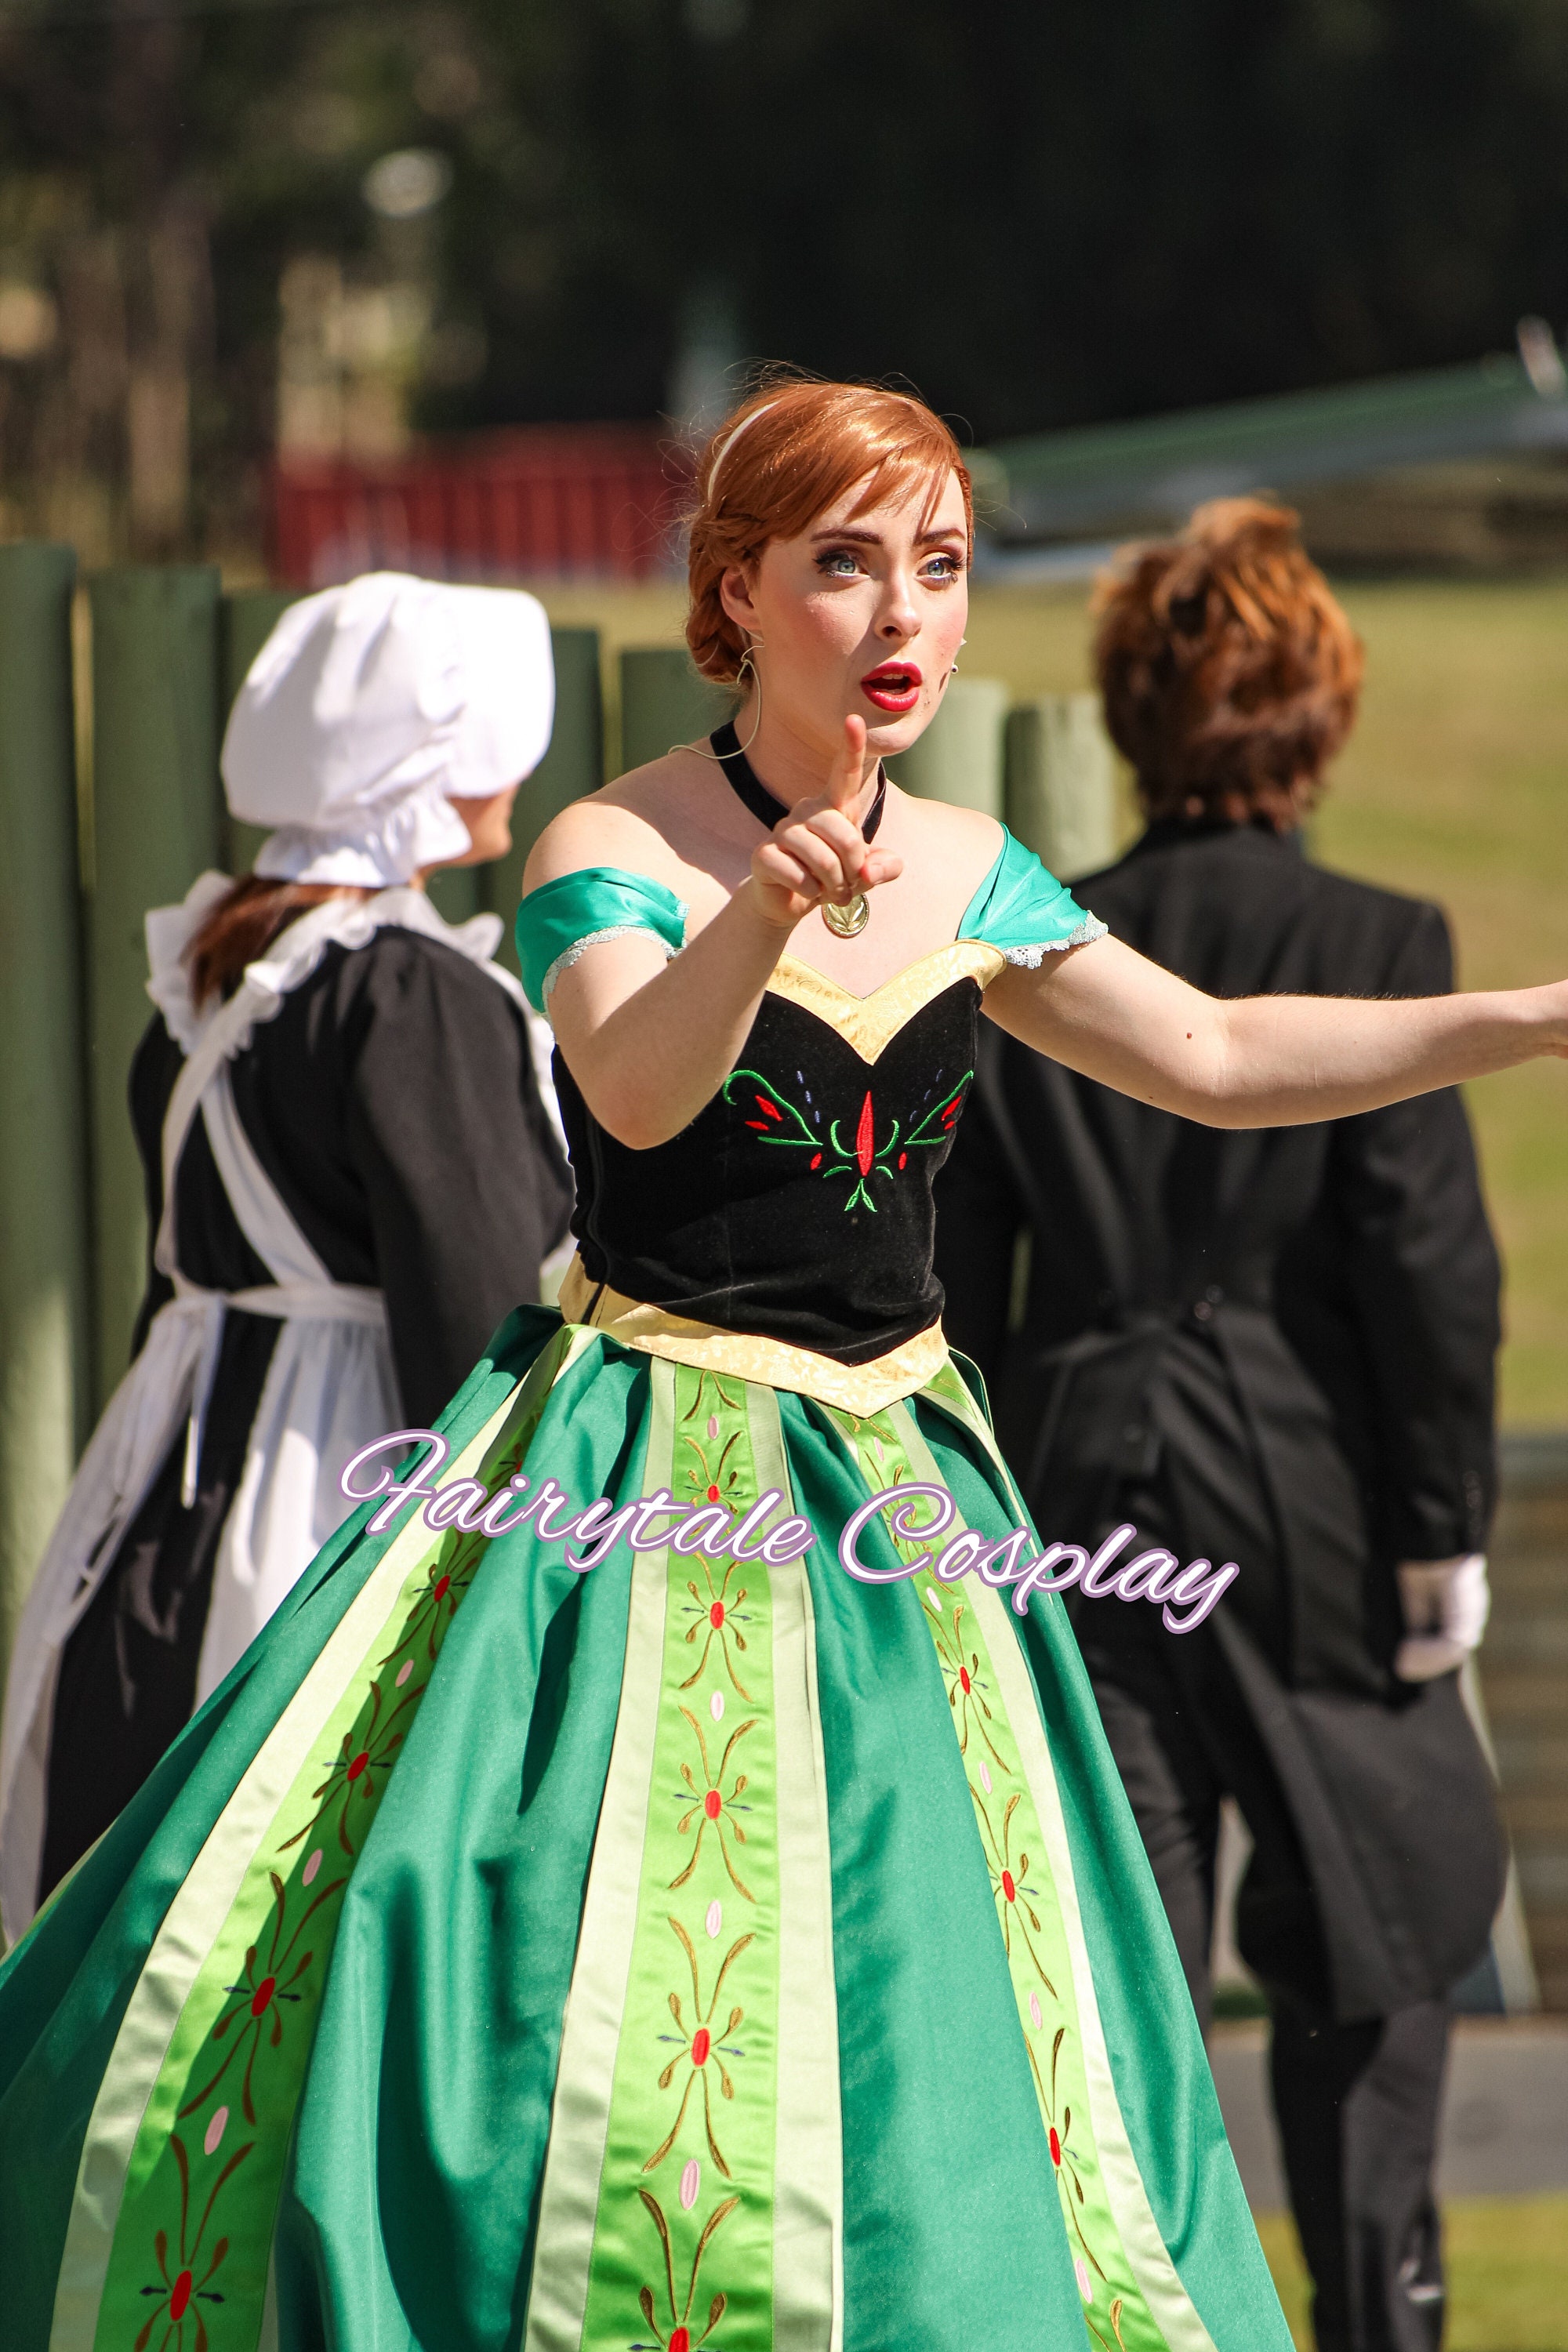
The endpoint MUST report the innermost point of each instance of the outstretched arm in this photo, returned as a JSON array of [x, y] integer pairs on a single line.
[[1263, 1061]]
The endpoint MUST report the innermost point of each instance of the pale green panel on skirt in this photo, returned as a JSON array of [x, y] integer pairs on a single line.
[[693, 2175], [808, 2188]]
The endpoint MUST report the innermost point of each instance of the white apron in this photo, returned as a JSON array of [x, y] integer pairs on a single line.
[[330, 1387]]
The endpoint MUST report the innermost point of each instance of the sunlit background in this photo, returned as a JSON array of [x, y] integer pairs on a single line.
[[293, 288]]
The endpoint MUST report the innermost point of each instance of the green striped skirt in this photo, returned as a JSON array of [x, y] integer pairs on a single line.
[[687, 1952]]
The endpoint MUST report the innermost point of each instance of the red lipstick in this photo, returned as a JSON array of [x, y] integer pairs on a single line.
[[893, 686]]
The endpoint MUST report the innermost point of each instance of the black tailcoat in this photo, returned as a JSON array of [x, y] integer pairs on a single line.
[[1273, 1347]]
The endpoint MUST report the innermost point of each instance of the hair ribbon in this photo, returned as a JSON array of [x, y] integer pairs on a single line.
[[730, 441]]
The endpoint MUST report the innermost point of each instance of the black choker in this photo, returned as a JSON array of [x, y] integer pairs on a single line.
[[765, 806]]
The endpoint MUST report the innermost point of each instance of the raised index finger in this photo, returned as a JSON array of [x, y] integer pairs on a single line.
[[848, 775]]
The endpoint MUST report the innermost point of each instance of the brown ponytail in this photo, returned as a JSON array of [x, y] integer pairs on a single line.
[[244, 924]]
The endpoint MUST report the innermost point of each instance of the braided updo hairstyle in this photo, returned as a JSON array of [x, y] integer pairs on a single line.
[[1229, 673], [785, 454]]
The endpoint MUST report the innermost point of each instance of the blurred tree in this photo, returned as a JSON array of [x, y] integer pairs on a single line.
[[160, 166], [1038, 214], [1041, 213]]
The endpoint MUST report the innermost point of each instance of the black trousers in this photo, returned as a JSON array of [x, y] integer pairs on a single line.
[[1357, 2104]]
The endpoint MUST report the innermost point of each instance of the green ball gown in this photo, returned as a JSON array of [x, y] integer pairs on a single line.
[[690, 1950]]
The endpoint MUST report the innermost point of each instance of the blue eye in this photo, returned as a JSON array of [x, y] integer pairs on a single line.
[[837, 563]]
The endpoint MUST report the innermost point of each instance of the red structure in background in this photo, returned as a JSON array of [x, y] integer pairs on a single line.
[[534, 502]]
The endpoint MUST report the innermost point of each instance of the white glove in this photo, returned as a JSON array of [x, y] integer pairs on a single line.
[[1446, 1602]]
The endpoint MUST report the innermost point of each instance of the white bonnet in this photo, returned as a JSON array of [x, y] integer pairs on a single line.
[[371, 709]]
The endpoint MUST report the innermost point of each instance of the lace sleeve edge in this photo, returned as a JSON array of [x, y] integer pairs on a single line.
[[592, 940], [1033, 954]]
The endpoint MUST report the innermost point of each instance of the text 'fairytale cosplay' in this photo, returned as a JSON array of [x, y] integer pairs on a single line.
[[697, 1952]]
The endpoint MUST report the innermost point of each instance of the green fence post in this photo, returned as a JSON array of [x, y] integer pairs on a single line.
[[246, 621], [155, 827], [1061, 783], [958, 757], [454, 892], [573, 765], [45, 1289], [665, 701]]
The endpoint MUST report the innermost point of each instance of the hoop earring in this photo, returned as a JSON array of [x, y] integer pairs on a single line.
[[746, 663]]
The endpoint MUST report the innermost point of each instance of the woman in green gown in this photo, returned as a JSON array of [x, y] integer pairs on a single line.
[[705, 1945]]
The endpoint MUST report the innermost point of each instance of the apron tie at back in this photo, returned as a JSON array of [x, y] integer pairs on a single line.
[[337, 1302]]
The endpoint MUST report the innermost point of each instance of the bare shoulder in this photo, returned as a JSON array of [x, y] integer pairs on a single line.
[[969, 830], [965, 842], [624, 825]]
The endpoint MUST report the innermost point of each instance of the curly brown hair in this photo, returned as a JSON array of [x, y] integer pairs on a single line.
[[1230, 675], [787, 452]]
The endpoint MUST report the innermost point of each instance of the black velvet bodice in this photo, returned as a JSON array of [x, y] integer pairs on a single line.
[[797, 1204]]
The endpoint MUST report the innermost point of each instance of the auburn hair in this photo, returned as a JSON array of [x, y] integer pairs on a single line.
[[791, 449], [1229, 673], [244, 924]]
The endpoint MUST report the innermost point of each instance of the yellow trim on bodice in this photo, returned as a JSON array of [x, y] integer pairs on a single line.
[[870, 1024], [853, 1388]]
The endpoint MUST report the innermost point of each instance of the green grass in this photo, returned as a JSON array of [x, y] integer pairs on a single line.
[[1455, 786], [1508, 2273]]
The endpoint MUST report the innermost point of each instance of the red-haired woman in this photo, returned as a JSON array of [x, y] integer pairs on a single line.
[[707, 1946]]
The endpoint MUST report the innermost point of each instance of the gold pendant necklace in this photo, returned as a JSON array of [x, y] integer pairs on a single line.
[[848, 921]]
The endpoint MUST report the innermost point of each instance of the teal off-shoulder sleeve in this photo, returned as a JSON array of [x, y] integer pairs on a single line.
[[556, 922], [1024, 911]]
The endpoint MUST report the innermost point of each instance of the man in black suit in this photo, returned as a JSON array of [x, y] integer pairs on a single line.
[[1273, 1348]]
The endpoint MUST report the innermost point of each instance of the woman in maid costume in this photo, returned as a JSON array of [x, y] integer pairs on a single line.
[[709, 1946], [364, 1180]]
